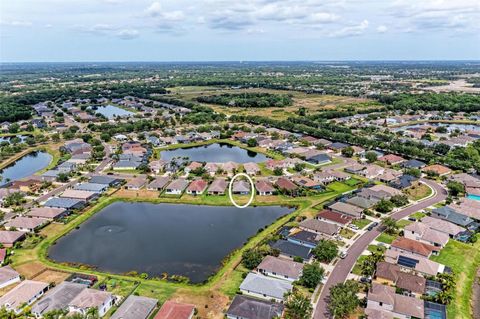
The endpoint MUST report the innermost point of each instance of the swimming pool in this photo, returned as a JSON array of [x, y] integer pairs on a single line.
[[474, 197]]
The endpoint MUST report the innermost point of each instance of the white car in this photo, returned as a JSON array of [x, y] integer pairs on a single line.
[[352, 226], [343, 254]]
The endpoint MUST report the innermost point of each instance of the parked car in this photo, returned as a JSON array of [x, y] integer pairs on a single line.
[[352, 226], [343, 254]]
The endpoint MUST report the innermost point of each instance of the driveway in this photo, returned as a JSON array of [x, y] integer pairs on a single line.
[[344, 266]]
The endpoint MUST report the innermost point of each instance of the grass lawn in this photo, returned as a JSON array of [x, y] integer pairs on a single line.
[[403, 222], [418, 215], [375, 248], [418, 191], [464, 259], [362, 223], [339, 187], [352, 182], [356, 269], [386, 238], [347, 233]]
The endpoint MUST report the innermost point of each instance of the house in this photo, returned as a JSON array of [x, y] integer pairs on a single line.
[[410, 262], [333, 217], [49, 213], [264, 287], [264, 188], [319, 227], [391, 274], [158, 184], [402, 182], [421, 232], [305, 182], [361, 202], [319, 159], [371, 171], [273, 164], [387, 189], [136, 183], [383, 298], [158, 166], [413, 163], [175, 310], [92, 298], [26, 224], [389, 175], [212, 168], [218, 187], [243, 307], [230, 168], [23, 295], [58, 298], [337, 146], [197, 187], [251, 168], [107, 180], [450, 215], [91, 187], [126, 165], [8, 276], [135, 307], [291, 250], [304, 238], [241, 187], [9, 237], [85, 196], [414, 247], [436, 169], [176, 187], [392, 159], [373, 195], [468, 207], [66, 203], [346, 209], [280, 268], [192, 167], [30, 185], [443, 226], [287, 186]]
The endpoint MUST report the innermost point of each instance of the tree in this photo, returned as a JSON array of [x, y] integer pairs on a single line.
[[384, 206], [390, 225], [371, 157], [399, 200], [297, 306], [343, 299], [312, 275], [251, 258], [455, 188], [14, 199], [326, 250], [278, 171], [62, 177], [369, 264], [348, 151], [251, 142], [413, 172]]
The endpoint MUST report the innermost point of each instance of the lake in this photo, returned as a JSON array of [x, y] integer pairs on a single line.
[[187, 240], [25, 166], [112, 111], [216, 153]]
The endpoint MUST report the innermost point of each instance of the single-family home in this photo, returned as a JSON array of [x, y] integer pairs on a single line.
[[413, 163], [9, 237], [218, 187], [264, 287], [135, 307], [107, 180], [23, 295], [452, 216], [58, 298], [176, 187], [305, 238], [175, 310], [85, 196], [91, 187], [423, 233], [346, 209], [280, 268], [66, 203], [264, 188], [92, 298], [403, 244], [443, 226], [192, 167], [136, 183], [437, 169], [383, 298], [392, 159], [243, 307], [241, 187], [287, 186], [251, 168], [333, 217], [26, 224], [8, 276], [411, 262], [158, 184], [197, 187], [292, 250], [230, 168], [391, 274], [319, 159], [319, 227], [49, 213], [361, 202]]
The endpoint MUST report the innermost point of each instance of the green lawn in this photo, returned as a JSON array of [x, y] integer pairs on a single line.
[[403, 222], [464, 259], [362, 223], [339, 187], [375, 248], [352, 182], [356, 269], [347, 233], [418, 215], [386, 238]]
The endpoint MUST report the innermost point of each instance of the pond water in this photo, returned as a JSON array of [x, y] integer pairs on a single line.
[[25, 166], [216, 153], [112, 111], [187, 240]]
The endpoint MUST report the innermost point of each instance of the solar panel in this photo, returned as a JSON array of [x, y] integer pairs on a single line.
[[407, 261]]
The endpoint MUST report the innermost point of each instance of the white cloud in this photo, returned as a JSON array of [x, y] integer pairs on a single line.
[[128, 34], [16, 23], [382, 29], [353, 30]]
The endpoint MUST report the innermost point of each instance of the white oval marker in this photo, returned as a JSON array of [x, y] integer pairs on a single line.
[[251, 193]]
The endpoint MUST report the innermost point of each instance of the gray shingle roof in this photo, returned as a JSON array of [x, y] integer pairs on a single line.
[[250, 308], [263, 285], [58, 298], [63, 202], [135, 307]]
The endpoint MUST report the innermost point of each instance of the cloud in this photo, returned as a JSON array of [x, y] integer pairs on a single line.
[[350, 31], [227, 20], [382, 29], [128, 34], [16, 23]]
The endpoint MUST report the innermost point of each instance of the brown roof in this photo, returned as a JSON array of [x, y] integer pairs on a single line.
[[26, 222], [281, 267], [401, 279], [89, 298], [334, 217], [46, 212], [439, 169], [391, 158], [218, 185], [9, 237], [175, 310], [264, 186], [414, 246], [198, 185], [22, 293], [319, 226], [73, 193], [286, 184]]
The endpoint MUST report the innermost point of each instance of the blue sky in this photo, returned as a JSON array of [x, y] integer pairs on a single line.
[[212, 30]]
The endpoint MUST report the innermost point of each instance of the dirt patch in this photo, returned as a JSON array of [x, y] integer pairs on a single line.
[[143, 193], [31, 269], [476, 296], [50, 275], [210, 304], [6, 289]]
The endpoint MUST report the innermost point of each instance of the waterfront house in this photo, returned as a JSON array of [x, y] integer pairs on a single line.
[[292, 250], [218, 187], [175, 310], [319, 227], [192, 167], [8, 276], [264, 287], [79, 194], [243, 307], [333, 217], [26, 224], [9, 237], [66, 203], [158, 184], [287, 186], [264, 188], [58, 298], [136, 183], [176, 187], [91, 187], [304, 238], [251, 169], [135, 307], [241, 187], [280, 268], [91, 298], [107, 180], [212, 168], [49, 213], [347, 209], [197, 187]]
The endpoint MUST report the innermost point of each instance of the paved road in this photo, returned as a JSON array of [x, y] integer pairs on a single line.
[[344, 266]]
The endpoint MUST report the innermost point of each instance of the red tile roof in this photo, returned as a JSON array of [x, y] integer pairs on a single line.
[[335, 217], [414, 246], [175, 310]]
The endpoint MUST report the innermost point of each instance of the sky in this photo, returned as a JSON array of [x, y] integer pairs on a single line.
[[247, 30]]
